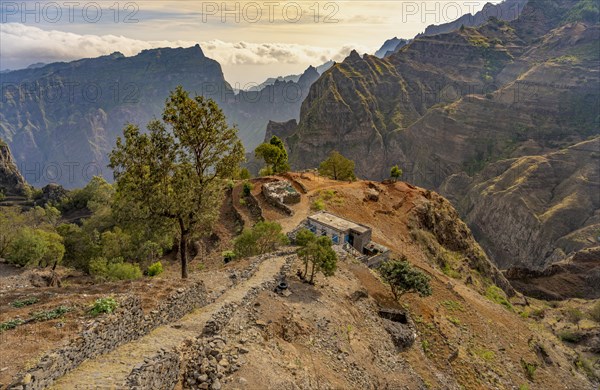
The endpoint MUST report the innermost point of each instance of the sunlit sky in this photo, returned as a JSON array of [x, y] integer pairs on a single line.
[[253, 40]]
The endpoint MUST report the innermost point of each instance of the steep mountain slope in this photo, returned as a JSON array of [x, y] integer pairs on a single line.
[[62, 119], [507, 10], [501, 91], [534, 210]]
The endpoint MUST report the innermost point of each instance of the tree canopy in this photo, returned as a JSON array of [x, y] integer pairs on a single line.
[[403, 278], [337, 167], [274, 155], [176, 177], [396, 172], [316, 252], [264, 237]]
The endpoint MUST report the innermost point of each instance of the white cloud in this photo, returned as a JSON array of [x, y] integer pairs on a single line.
[[23, 45]]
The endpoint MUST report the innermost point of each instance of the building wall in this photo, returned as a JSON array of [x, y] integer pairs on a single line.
[[328, 230], [361, 240]]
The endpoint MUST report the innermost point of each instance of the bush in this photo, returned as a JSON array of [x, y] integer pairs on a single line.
[[264, 237], [247, 189], [155, 269], [115, 269], [318, 205], [529, 369], [103, 306], [36, 247], [570, 336], [228, 256]]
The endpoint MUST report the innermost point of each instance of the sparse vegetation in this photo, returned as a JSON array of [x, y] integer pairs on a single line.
[[495, 294], [594, 312], [103, 306], [485, 354], [454, 320], [403, 278], [574, 315], [318, 205], [529, 369], [10, 324], [452, 306]]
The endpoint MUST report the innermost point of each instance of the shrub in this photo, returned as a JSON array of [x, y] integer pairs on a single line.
[[495, 294], [574, 315], [570, 336], [103, 306], [25, 302], [115, 269], [247, 189], [27, 248], [245, 174], [228, 256], [155, 269], [318, 205]]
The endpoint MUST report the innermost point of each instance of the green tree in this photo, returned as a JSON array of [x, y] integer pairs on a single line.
[[396, 172], [319, 253], [403, 278], [36, 247], [337, 167], [244, 174], [11, 221], [264, 237], [274, 155], [177, 176]]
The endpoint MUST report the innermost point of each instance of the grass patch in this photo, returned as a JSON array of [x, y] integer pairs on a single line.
[[451, 305], [317, 205], [495, 294], [485, 354], [25, 302], [454, 320]]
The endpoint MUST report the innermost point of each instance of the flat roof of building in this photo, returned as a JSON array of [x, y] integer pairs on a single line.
[[338, 223]]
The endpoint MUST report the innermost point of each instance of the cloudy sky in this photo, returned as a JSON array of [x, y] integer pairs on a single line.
[[252, 40]]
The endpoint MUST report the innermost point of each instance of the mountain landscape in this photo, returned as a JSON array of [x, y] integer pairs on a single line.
[[423, 217]]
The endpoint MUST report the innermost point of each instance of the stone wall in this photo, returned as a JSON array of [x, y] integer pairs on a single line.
[[127, 323], [158, 372], [254, 207]]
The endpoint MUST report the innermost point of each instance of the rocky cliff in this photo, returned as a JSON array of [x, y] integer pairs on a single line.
[[62, 119], [11, 180], [499, 92]]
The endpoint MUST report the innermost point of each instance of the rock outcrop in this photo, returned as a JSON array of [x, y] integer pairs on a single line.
[[11, 180]]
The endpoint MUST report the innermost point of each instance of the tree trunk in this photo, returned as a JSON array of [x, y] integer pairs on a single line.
[[183, 249], [305, 268], [312, 273]]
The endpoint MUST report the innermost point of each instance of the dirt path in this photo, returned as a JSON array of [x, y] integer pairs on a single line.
[[110, 370]]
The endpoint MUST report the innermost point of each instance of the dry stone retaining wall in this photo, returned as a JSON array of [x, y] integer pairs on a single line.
[[126, 324], [158, 372]]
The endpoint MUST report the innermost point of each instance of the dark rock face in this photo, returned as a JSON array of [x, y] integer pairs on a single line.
[[11, 180], [62, 119], [400, 327]]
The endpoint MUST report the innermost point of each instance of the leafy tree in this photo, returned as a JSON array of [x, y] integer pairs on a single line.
[[574, 316], [318, 252], [274, 154], [176, 177], [244, 174], [337, 167], [36, 247], [11, 221], [404, 278], [396, 172], [264, 237]]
